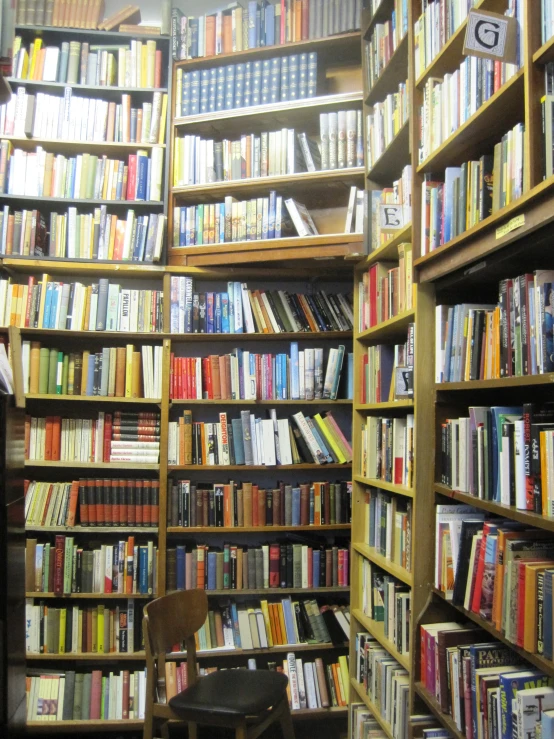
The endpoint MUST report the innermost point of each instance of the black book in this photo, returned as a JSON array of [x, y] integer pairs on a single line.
[[269, 507], [232, 458], [283, 565], [470, 527], [218, 494], [317, 315], [201, 313], [308, 631], [303, 450], [333, 627], [211, 508], [476, 345], [290, 567], [299, 622]]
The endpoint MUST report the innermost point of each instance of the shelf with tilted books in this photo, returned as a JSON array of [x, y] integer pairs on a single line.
[[285, 336], [434, 706], [381, 13], [392, 74], [375, 628], [400, 573], [383, 485], [338, 401]]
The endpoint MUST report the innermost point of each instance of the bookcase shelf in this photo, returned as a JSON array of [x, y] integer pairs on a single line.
[[275, 649], [92, 465], [385, 726], [91, 596], [92, 33], [300, 335], [277, 591], [497, 384], [90, 529], [393, 159], [391, 405], [111, 90], [289, 113], [217, 530], [91, 267], [86, 725], [490, 122], [309, 714], [447, 721], [392, 74], [376, 629], [383, 485], [76, 146], [340, 401], [388, 250], [128, 204], [237, 467], [92, 399], [385, 564], [527, 517], [87, 657], [546, 52], [395, 327], [60, 334]]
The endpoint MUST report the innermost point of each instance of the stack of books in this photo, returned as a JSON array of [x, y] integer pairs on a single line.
[[388, 449], [385, 122]]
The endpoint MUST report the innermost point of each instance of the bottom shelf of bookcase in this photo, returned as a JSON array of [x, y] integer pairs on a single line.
[[359, 688], [431, 703]]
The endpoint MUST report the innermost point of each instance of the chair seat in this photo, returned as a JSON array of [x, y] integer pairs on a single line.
[[232, 693]]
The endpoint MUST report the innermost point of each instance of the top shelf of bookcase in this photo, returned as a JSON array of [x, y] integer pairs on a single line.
[[382, 14], [91, 35], [344, 47]]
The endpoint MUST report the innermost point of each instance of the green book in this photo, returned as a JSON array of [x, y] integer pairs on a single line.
[[78, 697], [44, 361], [52, 371]]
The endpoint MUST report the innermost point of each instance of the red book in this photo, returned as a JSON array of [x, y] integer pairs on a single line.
[[125, 694], [132, 177], [274, 558], [172, 375], [31, 283], [56, 437], [155, 515], [284, 38], [116, 502], [91, 498], [306, 20], [95, 694], [45, 511], [122, 496], [108, 507], [27, 435], [227, 518], [108, 423], [158, 69], [207, 372], [488, 527], [276, 507], [146, 502], [131, 503], [59, 564], [83, 503], [340, 573], [255, 508], [139, 500], [48, 439], [73, 498], [262, 519], [100, 516], [346, 568], [210, 35]]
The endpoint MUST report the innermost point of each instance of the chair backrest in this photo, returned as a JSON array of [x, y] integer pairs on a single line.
[[174, 618]]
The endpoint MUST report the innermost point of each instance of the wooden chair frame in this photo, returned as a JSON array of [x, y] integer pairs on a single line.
[[167, 621]]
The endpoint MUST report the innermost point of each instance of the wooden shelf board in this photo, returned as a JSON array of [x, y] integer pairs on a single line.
[[307, 714], [431, 702], [496, 384], [388, 251], [293, 109], [92, 398], [491, 117], [450, 56], [527, 517], [300, 335], [131, 530], [93, 33], [385, 564], [390, 329], [359, 688], [92, 465], [86, 725], [383, 485], [87, 88], [391, 405], [254, 529], [546, 52], [92, 267], [395, 157], [235, 467], [122, 336], [339, 401], [330, 45], [376, 629], [90, 596], [535, 659], [27, 143], [86, 201], [86, 657], [396, 71], [215, 653], [277, 591], [299, 181]]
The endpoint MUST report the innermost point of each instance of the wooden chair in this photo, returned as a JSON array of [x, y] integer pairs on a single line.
[[246, 700]]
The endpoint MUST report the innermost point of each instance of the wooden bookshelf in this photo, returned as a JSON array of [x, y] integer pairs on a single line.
[[383, 563], [362, 695], [389, 165], [383, 485], [217, 530], [375, 628], [392, 74], [110, 90]]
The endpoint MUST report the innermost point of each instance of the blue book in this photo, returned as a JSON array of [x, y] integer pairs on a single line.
[[224, 313], [90, 378], [266, 75], [204, 90], [142, 176], [231, 295], [220, 89], [47, 304], [296, 506], [180, 567], [193, 26], [185, 94], [210, 313], [212, 567], [256, 82], [195, 92], [500, 414], [293, 77], [289, 624], [71, 179], [315, 568], [229, 86], [143, 570], [182, 227], [275, 80], [350, 376], [284, 79], [490, 654], [253, 24], [319, 440], [247, 95], [217, 313], [269, 24], [303, 76], [312, 506], [312, 74], [226, 573], [547, 724], [294, 369], [236, 629], [239, 86], [547, 614], [509, 684], [450, 175], [271, 215], [212, 90], [238, 441]]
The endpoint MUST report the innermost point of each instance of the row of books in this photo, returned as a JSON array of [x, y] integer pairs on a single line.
[[119, 372], [510, 339], [389, 527], [385, 682], [387, 601], [387, 446], [448, 103], [387, 371], [246, 504], [501, 453], [92, 502], [245, 310], [256, 24], [383, 42], [85, 176], [74, 235], [386, 289], [82, 630], [117, 437], [66, 568], [102, 306], [244, 375], [235, 86], [74, 118], [481, 683], [399, 194], [132, 64], [69, 696], [439, 21], [253, 441], [385, 122], [470, 193], [362, 723], [76, 15], [241, 220]]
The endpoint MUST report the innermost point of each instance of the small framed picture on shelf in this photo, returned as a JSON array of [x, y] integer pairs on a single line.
[[404, 382]]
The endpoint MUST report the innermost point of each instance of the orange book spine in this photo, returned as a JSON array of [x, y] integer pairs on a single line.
[[56, 438]]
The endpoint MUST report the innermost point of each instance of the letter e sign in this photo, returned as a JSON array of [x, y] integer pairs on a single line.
[[490, 36], [391, 217]]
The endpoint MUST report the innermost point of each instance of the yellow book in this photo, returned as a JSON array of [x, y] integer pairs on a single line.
[[176, 162], [129, 370], [163, 119], [265, 611], [100, 630], [338, 441], [107, 175], [281, 615], [141, 64], [44, 286], [94, 640], [34, 57], [80, 631], [343, 672], [111, 243], [24, 65], [63, 621], [83, 388], [150, 63], [329, 439]]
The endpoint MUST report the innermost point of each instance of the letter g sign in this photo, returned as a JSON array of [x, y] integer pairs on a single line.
[[490, 35]]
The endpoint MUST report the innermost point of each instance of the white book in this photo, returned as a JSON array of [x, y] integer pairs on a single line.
[[247, 308], [350, 210], [301, 684], [519, 445], [268, 441], [284, 441], [310, 685], [293, 681]]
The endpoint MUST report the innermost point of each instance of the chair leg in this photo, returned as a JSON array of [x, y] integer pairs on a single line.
[[193, 730], [287, 728], [164, 729], [241, 732]]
